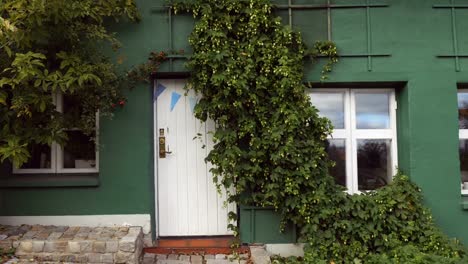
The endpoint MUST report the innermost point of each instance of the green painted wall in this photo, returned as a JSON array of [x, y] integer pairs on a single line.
[[126, 184], [411, 32]]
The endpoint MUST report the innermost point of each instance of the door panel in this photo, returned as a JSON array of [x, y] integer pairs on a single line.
[[187, 199]]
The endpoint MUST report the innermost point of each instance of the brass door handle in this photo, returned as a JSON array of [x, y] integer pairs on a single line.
[[162, 147]]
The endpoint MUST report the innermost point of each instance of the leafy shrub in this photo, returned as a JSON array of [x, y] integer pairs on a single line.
[[269, 142], [50, 47]]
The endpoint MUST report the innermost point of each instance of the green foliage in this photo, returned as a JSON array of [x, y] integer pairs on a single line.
[[50, 47], [412, 255], [6, 254], [379, 222], [269, 142]]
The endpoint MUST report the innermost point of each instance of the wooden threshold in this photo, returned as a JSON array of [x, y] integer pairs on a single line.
[[201, 242], [199, 246], [197, 251]]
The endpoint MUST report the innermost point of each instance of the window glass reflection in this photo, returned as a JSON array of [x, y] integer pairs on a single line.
[[463, 151], [372, 111], [374, 163], [40, 157], [336, 149], [331, 106], [463, 110], [80, 151]]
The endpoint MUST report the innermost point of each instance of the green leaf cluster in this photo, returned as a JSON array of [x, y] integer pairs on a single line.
[[51, 47], [269, 141]]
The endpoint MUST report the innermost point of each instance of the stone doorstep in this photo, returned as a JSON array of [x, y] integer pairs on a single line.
[[75, 244], [151, 258]]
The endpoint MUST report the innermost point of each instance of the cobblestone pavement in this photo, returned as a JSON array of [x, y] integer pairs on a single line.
[[150, 258], [58, 244]]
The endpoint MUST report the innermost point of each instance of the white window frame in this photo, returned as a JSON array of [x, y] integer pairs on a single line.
[[462, 135], [57, 152], [351, 134]]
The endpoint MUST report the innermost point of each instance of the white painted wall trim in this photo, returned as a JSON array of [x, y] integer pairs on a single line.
[[143, 220]]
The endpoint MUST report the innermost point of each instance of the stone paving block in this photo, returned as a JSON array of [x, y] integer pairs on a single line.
[[220, 256], [149, 258], [37, 227], [16, 244], [123, 229], [93, 235], [52, 244], [54, 235], [196, 259], [82, 258], [173, 257], [184, 258], [112, 246], [244, 256], [99, 246], [81, 236], [74, 247], [94, 257], [60, 229], [43, 235], [134, 230], [259, 255], [55, 246], [72, 230], [148, 241], [127, 243], [26, 246], [172, 261], [209, 256], [13, 238], [6, 244], [67, 258], [86, 246], [219, 261], [161, 256], [37, 246], [107, 258], [29, 234], [84, 229], [124, 257]]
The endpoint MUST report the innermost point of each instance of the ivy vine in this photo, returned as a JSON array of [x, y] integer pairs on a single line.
[[270, 141]]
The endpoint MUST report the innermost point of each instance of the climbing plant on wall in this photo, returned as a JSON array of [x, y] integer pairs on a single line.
[[270, 141], [48, 47]]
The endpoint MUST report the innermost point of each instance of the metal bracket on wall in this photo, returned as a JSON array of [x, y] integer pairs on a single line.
[[329, 6], [170, 57], [290, 7], [452, 6]]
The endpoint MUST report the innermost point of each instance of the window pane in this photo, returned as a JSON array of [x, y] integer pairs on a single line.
[[40, 157], [331, 106], [372, 111], [374, 163], [336, 149], [463, 110], [463, 150], [79, 152]]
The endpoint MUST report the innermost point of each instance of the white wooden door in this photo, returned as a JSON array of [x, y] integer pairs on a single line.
[[188, 203]]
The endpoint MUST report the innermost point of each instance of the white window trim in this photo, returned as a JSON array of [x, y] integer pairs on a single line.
[[56, 165], [351, 134], [462, 134]]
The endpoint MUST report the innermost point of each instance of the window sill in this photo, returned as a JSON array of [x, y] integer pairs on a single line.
[[50, 180]]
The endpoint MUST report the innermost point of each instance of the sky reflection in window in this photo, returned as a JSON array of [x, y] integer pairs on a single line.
[[331, 106], [372, 111]]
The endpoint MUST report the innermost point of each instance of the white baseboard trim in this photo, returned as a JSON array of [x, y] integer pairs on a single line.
[[143, 220], [285, 250]]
